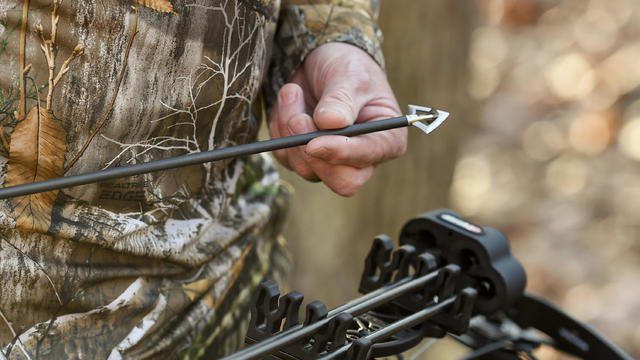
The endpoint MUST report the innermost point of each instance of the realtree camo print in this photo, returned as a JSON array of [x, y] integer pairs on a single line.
[[161, 265]]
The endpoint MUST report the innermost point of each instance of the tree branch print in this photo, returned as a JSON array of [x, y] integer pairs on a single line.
[[236, 73]]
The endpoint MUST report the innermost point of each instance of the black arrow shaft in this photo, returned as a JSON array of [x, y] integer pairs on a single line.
[[198, 158]]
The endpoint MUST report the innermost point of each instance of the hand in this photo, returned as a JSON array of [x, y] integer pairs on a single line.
[[338, 85]]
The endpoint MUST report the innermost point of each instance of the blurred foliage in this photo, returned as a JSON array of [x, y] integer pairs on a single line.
[[554, 159]]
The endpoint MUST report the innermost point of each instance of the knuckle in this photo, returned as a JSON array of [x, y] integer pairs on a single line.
[[306, 173], [395, 151], [401, 150], [347, 191], [396, 146], [283, 127], [340, 156], [350, 186], [400, 144], [287, 91]]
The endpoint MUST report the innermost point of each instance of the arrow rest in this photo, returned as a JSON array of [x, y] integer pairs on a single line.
[[448, 277]]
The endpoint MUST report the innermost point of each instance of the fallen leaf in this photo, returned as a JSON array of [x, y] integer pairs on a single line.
[[37, 151]]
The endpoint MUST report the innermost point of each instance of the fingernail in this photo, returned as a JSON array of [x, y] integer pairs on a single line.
[[299, 125], [320, 153], [331, 111], [334, 114]]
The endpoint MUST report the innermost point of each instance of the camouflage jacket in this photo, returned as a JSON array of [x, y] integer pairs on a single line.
[[160, 265]]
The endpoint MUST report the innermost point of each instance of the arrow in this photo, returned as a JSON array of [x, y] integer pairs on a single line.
[[433, 118]]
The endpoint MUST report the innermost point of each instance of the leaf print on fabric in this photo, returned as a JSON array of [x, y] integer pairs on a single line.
[[38, 145], [158, 5], [199, 290]]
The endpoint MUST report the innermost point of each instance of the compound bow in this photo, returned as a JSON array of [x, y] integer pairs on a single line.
[[448, 277]]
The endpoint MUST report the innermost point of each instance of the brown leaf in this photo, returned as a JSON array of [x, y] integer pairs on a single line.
[[38, 146], [158, 5]]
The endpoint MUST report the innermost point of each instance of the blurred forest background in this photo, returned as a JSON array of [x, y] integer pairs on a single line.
[[543, 144]]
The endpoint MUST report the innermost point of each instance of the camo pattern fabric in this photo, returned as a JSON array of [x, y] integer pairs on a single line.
[[307, 24], [161, 265]]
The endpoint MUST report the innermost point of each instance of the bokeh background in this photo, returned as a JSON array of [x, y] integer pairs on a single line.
[[543, 143]]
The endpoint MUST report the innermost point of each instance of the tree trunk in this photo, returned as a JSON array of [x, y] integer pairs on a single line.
[[426, 47]]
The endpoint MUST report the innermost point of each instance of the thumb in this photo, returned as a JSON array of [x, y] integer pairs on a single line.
[[341, 101]]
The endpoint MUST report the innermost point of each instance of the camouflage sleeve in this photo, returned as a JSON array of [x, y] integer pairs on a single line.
[[307, 24]]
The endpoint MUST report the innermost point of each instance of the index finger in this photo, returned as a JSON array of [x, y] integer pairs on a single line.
[[359, 151]]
